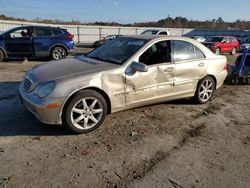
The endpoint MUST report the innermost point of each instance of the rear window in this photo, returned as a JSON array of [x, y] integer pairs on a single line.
[[57, 32], [43, 32]]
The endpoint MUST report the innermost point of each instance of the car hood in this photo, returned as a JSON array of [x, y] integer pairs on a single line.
[[69, 67]]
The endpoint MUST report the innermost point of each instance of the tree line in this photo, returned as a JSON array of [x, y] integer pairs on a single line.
[[169, 22]]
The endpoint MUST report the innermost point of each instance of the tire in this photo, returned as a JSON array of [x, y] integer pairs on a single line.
[[205, 90], [246, 80], [234, 80], [234, 51], [58, 53], [1, 56], [85, 112], [217, 51]]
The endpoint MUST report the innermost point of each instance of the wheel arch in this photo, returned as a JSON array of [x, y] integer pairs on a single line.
[[58, 45], [213, 77], [103, 93]]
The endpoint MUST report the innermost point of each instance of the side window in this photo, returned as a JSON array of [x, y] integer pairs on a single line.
[[57, 32], [182, 51], [163, 33], [43, 32], [198, 53], [231, 39], [157, 53], [20, 33]]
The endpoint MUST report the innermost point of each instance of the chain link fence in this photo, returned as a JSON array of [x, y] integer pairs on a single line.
[[86, 34]]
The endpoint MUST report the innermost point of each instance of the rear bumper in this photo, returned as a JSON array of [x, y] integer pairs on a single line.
[[220, 78]]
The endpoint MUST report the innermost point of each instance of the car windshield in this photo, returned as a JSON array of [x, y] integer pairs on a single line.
[[150, 32], [217, 39], [118, 50]]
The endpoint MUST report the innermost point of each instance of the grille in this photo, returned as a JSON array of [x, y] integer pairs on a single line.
[[27, 84]]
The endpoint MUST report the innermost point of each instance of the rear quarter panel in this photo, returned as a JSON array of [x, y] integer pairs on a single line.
[[216, 68]]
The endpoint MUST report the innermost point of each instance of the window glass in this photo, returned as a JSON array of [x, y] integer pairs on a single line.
[[150, 32], [19, 33], [117, 50], [42, 32], [163, 33], [198, 53], [231, 39], [157, 53], [57, 32], [182, 50]]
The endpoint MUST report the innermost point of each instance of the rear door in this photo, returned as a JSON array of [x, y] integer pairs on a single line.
[[19, 42], [190, 66], [42, 41]]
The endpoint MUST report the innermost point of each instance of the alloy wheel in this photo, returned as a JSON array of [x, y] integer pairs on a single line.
[[206, 90], [86, 113], [59, 53]]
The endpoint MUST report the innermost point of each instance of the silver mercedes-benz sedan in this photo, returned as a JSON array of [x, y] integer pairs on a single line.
[[127, 72]]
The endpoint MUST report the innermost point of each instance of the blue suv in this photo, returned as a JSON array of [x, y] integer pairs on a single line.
[[36, 41]]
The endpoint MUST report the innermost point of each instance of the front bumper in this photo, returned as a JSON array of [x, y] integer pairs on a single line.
[[38, 107]]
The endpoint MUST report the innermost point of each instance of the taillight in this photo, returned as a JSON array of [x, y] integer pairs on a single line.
[[70, 37]]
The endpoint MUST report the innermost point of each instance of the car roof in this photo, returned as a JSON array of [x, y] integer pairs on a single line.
[[37, 26]]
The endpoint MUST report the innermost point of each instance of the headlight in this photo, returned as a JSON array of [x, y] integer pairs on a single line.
[[44, 89]]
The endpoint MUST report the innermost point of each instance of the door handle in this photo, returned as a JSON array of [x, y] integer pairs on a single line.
[[169, 69], [201, 64]]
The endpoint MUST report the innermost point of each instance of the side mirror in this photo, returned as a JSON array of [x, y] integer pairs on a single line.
[[141, 67]]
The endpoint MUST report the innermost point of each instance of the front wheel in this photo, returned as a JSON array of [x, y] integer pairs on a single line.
[[58, 53], [85, 112], [205, 90]]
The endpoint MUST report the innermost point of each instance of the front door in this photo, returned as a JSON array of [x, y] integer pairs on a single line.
[[157, 81], [19, 43]]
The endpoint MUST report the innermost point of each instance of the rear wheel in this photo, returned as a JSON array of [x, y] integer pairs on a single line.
[[217, 51], [58, 53], [234, 51], [205, 90], [1, 56], [85, 112]]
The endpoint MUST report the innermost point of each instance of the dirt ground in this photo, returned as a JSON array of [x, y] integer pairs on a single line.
[[175, 144]]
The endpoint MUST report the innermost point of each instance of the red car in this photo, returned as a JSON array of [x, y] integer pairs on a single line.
[[222, 44]]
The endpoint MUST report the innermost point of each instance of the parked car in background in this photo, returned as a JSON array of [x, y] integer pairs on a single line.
[[127, 72], [36, 41], [103, 40], [223, 44], [155, 32], [199, 38]]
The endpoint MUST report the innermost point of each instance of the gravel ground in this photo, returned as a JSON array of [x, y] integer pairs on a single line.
[[176, 144]]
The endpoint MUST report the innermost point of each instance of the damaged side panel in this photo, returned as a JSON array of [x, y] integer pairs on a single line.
[[141, 86]]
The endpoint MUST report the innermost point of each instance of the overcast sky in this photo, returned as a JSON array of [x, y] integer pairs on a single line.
[[126, 11]]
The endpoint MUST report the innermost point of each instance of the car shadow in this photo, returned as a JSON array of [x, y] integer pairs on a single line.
[[15, 120]]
